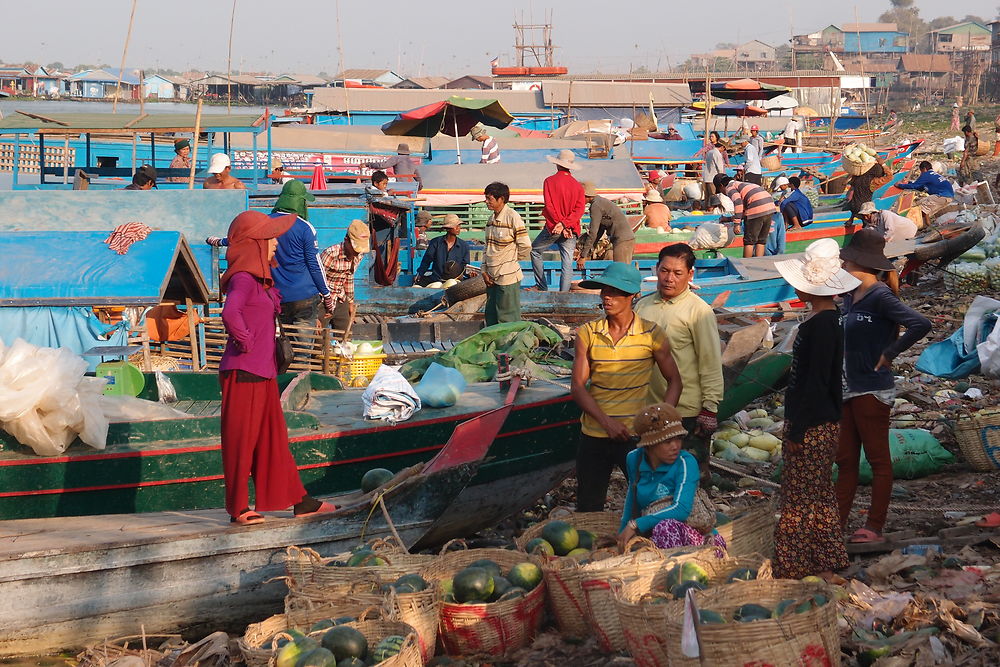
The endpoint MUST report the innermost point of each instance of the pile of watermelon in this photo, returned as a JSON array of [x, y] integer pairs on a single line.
[[339, 645], [483, 582], [559, 538], [751, 612]]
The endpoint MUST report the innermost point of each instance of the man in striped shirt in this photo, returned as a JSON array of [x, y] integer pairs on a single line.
[[612, 368], [752, 209], [491, 151], [507, 243]]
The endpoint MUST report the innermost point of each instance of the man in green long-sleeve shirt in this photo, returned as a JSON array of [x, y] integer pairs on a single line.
[[606, 217], [693, 333]]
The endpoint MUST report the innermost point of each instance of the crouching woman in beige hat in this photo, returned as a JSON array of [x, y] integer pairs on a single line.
[[807, 539], [662, 499]]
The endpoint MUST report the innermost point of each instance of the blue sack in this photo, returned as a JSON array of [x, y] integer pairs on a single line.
[[948, 358]]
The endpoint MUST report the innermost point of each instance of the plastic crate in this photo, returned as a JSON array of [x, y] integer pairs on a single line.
[[357, 371]]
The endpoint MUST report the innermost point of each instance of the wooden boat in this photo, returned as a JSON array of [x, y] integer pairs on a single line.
[[174, 465], [168, 571]]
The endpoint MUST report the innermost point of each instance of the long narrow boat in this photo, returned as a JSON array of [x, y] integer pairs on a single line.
[[111, 575]]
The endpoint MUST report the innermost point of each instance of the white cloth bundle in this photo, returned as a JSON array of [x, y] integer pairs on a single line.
[[389, 397]]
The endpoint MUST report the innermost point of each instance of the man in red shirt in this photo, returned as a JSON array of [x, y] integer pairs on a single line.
[[565, 204]]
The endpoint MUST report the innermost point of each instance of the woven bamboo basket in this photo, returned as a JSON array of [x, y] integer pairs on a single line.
[[602, 524], [376, 629], [421, 610], [855, 168], [303, 610], [771, 162], [311, 573], [254, 642], [643, 621], [751, 532], [978, 436], [794, 639], [632, 574], [489, 630]]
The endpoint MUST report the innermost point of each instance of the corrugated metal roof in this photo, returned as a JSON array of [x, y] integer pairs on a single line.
[[221, 80], [916, 62], [78, 123], [399, 99], [364, 73], [425, 82], [600, 94]]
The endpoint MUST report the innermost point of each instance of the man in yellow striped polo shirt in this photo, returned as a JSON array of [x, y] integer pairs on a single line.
[[614, 362]]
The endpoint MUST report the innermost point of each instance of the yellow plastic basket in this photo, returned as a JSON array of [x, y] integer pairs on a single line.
[[358, 370]]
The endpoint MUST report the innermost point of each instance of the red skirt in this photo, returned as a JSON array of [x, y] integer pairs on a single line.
[[255, 444]]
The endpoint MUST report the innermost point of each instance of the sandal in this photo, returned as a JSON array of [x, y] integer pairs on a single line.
[[247, 518], [865, 536], [324, 508], [991, 520]]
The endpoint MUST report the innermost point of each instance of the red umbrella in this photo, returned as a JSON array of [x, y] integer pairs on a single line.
[[318, 178]]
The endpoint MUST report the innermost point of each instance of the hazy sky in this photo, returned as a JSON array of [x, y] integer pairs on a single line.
[[444, 37]]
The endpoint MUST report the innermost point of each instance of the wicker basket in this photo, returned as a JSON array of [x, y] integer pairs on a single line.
[[312, 574], [489, 630], [751, 532], [377, 630], [422, 611], [302, 610], [771, 162], [978, 436], [795, 639], [251, 644], [632, 574], [357, 371], [602, 524]]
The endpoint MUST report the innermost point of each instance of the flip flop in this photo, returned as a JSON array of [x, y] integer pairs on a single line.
[[247, 518], [865, 536], [324, 508], [991, 520]]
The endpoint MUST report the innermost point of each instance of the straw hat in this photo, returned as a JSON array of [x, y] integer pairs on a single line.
[[477, 131], [867, 248], [658, 423], [867, 208], [451, 221], [360, 236], [819, 273], [653, 196], [589, 189], [565, 159]]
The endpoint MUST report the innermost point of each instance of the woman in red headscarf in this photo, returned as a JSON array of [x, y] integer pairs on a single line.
[[254, 435]]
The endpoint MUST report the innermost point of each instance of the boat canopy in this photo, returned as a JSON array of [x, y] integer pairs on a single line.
[[195, 213], [463, 184], [126, 124], [79, 269]]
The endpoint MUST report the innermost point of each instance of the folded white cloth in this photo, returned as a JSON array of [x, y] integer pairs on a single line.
[[389, 397]]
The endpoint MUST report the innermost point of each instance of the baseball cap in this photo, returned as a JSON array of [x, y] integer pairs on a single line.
[[359, 236], [218, 163]]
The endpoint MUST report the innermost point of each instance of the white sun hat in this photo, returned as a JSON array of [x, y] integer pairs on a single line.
[[819, 272], [218, 163]]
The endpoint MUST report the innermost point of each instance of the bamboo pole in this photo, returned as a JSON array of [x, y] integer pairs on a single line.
[[229, 63], [194, 147], [121, 70]]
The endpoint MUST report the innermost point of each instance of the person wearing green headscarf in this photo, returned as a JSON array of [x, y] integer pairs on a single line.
[[293, 199]]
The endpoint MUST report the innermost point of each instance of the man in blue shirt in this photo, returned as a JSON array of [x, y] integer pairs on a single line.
[[930, 182], [796, 208], [446, 256]]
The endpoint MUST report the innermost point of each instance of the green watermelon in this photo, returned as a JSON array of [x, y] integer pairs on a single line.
[[486, 564], [473, 584], [365, 559], [513, 592], [741, 574], [289, 654], [709, 617], [539, 546], [814, 602], [345, 642], [318, 657], [375, 478], [781, 608], [952, 563], [680, 590], [410, 583], [686, 571], [324, 624], [525, 575], [500, 586], [562, 536], [447, 587], [578, 554], [751, 612], [587, 539], [387, 648], [442, 661], [336, 563], [351, 662]]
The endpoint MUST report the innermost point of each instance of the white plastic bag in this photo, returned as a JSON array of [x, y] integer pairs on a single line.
[[441, 386]]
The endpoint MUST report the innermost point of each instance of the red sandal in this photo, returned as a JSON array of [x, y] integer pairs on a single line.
[[991, 520], [324, 508], [247, 518], [865, 536]]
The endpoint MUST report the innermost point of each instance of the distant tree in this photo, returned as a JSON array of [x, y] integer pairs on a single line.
[[973, 19], [641, 69], [725, 45], [55, 65], [941, 22], [907, 19], [783, 57], [723, 65]]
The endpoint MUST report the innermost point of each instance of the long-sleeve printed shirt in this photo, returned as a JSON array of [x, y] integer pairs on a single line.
[[340, 272]]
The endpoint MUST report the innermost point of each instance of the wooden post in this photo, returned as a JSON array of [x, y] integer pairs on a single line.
[[834, 112], [324, 348], [229, 63], [121, 70], [193, 335], [194, 147]]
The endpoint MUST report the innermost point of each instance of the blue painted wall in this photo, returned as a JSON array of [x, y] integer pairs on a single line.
[[875, 42]]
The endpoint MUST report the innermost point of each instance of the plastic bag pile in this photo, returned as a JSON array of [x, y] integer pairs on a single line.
[[47, 401]]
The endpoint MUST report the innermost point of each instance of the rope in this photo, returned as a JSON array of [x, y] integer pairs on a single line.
[[909, 507]]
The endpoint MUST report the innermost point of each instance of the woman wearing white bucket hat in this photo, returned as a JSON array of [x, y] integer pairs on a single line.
[[807, 539]]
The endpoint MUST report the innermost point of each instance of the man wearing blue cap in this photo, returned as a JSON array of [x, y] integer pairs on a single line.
[[612, 369]]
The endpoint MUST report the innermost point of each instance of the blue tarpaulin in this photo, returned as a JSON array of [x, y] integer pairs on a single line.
[[76, 328]]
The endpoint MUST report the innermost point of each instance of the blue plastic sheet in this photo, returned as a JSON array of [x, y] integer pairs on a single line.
[[76, 328], [440, 387], [949, 359]]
